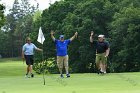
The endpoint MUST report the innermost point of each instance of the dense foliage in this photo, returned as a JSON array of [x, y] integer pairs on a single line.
[[18, 25], [118, 20]]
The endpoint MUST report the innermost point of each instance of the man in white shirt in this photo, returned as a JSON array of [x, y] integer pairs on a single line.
[[28, 54]]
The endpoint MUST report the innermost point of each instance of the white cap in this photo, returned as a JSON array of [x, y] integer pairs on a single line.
[[102, 36]]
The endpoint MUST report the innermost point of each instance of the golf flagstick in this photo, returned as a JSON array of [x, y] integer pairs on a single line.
[[43, 67], [41, 39]]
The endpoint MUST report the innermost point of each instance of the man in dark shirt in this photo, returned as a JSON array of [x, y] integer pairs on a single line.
[[102, 52]]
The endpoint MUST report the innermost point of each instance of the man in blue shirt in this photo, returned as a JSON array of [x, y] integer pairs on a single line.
[[61, 49], [27, 54]]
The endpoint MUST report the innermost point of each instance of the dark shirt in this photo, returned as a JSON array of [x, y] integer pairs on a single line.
[[101, 47]]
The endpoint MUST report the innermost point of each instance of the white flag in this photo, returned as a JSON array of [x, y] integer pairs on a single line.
[[41, 37]]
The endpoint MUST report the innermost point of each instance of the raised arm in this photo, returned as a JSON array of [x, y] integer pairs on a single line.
[[91, 37], [74, 36], [52, 35]]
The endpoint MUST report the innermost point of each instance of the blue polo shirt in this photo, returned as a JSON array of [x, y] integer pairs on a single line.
[[28, 49], [62, 47]]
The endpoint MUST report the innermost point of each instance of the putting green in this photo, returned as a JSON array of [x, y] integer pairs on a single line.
[[12, 80]]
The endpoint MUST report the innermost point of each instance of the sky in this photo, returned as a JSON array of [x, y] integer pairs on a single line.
[[43, 4]]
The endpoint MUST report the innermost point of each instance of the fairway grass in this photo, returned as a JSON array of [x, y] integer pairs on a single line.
[[12, 80]]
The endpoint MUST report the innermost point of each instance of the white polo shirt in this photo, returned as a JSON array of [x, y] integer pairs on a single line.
[[28, 49]]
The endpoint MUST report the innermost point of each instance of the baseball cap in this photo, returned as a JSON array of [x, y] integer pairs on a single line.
[[102, 36], [61, 36]]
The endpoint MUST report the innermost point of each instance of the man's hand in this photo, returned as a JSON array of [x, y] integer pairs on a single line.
[[92, 33], [52, 35], [38, 49], [106, 56], [52, 32], [91, 36], [76, 33], [74, 36], [41, 50]]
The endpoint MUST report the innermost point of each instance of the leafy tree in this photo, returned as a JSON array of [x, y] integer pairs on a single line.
[[19, 24], [125, 42], [2, 17], [67, 17]]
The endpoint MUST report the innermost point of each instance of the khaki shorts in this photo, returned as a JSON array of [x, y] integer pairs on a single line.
[[100, 58], [62, 61]]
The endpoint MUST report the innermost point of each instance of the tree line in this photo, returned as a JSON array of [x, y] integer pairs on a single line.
[[118, 20]]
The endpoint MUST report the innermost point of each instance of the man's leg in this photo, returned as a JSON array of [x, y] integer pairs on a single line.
[[30, 69], [66, 58], [28, 66], [104, 64], [104, 68], [29, 62], [98, 63], [27, 69], [27, 72], [31, 65], [60, 65], [101, 67]]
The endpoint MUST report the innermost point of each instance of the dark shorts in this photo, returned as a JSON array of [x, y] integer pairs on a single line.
[[29, 59]]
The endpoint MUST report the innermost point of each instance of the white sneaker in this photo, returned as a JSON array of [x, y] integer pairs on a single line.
[[27, 76]]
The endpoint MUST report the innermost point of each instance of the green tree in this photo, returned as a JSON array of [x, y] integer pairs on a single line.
[[125, 42], [91, 15], [2, 17], [67, 17], [2, 34], [19, 24]]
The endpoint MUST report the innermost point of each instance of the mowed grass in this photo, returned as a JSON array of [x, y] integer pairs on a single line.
[[12, 80]]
